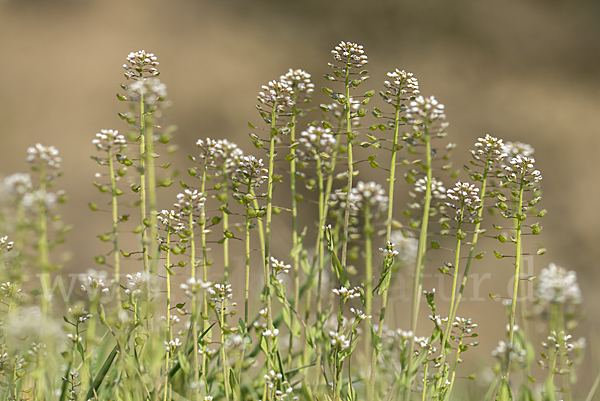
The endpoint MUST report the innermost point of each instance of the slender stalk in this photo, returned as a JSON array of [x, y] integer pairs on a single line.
[[448, 329], [513, 309], [225, 219], [424, 394], [419, 266], [169, 333], [205, 312], [151, 192], [368, 231], [388, 233], [223, 354], [115, 221], [267, 244], [194, 311], [349, 137], [296, 256], [143, 197]]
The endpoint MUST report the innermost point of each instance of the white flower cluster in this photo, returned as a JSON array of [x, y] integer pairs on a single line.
[[136, 284], [220, 292], [139, 62], [505, 351], [301, 85], [351, 54], [370, 193], [340, 197], [556, 284], [251, 171], [466, 325], [389, 250], [94, 282], [491, 146], [339, 340], [171, 220], [279, 266], [5, 245], [33, 200], [359, 315], [190, 200], [151, 90], [173, 345], [80, 314], [438, 190], [425, 111], [406, 247], [522, 166], [318, 141], [194, 286], [271, 334], [277, 93], [18, 184], [466, 194], [8, 289], [44, 154], [210, 150], [108, 138], [402, 83], [230, 152], [347, 293], [513, 149]]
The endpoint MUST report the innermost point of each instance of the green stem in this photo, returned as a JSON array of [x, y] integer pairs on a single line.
[[388, 233], [368, 231], [419, 266], [225, 218], [425, 382], [350, 166], [169, 328], [296, 257], [115, 221], [267, 244], [143, 197], [454, 283], [204, 270], [223, 354], [513, 309], [194, 316]]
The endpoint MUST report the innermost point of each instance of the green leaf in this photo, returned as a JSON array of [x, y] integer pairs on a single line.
[[498, 255], [102, 373], [525, 393], [235, 387], [504, 393], [435, 245]]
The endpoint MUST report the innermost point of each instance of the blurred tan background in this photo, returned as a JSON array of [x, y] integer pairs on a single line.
[[520, 70]]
